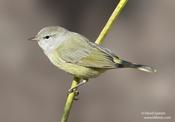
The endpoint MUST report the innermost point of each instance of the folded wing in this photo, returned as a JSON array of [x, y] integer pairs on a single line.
[[78, 50]]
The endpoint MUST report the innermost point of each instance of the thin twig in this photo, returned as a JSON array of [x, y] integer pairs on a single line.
[[99, 40], [111, 21], [69, 101]]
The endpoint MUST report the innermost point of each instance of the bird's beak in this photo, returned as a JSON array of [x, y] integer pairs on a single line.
[[32, 38]]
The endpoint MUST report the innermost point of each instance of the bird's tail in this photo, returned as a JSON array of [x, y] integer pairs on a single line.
[[125, 64]]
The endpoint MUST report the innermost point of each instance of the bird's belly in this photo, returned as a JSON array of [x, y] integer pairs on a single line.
[[76, 70]]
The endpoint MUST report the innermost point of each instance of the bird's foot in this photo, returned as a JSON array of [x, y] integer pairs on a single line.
[[75, 91]]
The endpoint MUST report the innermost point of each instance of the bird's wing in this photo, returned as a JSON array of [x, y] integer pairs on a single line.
[[80, 51]]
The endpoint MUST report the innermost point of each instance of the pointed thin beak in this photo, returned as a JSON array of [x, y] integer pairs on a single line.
[[32, 39]]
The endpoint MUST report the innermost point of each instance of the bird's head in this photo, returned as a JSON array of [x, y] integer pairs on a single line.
[[49, 37]]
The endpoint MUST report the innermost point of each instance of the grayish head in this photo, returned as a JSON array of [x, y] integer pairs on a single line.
[[50, 37]]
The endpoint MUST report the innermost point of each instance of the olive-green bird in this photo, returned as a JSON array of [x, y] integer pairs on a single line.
[[78, 56]]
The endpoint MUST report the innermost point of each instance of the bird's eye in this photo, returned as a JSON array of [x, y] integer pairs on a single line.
[[46, 37]]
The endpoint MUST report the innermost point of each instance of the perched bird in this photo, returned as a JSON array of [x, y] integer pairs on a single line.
[[75, 54]]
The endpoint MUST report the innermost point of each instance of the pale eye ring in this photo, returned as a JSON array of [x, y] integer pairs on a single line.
[[46, 37]]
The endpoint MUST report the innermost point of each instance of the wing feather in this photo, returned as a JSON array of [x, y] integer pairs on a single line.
[[80, 51]]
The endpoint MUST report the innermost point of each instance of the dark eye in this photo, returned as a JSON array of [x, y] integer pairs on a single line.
[[46, 37]]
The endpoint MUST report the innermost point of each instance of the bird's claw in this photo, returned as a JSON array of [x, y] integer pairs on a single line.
[[72, 90], [75, 91]]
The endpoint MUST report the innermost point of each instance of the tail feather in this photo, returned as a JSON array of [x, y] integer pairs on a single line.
[[125, 64]]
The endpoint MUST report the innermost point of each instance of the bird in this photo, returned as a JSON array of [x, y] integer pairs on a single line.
[[77, 55]]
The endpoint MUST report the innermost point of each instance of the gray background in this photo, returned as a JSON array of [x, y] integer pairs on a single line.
[[33, 90]]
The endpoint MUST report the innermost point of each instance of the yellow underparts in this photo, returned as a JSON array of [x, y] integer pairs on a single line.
[[76, 70]]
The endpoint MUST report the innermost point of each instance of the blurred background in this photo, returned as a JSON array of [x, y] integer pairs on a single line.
[[33, 90]]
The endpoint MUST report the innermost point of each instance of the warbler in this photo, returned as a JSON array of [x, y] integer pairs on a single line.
[[75, 54]]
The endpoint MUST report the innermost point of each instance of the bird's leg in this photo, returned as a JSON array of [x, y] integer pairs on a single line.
[[78, 85]]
